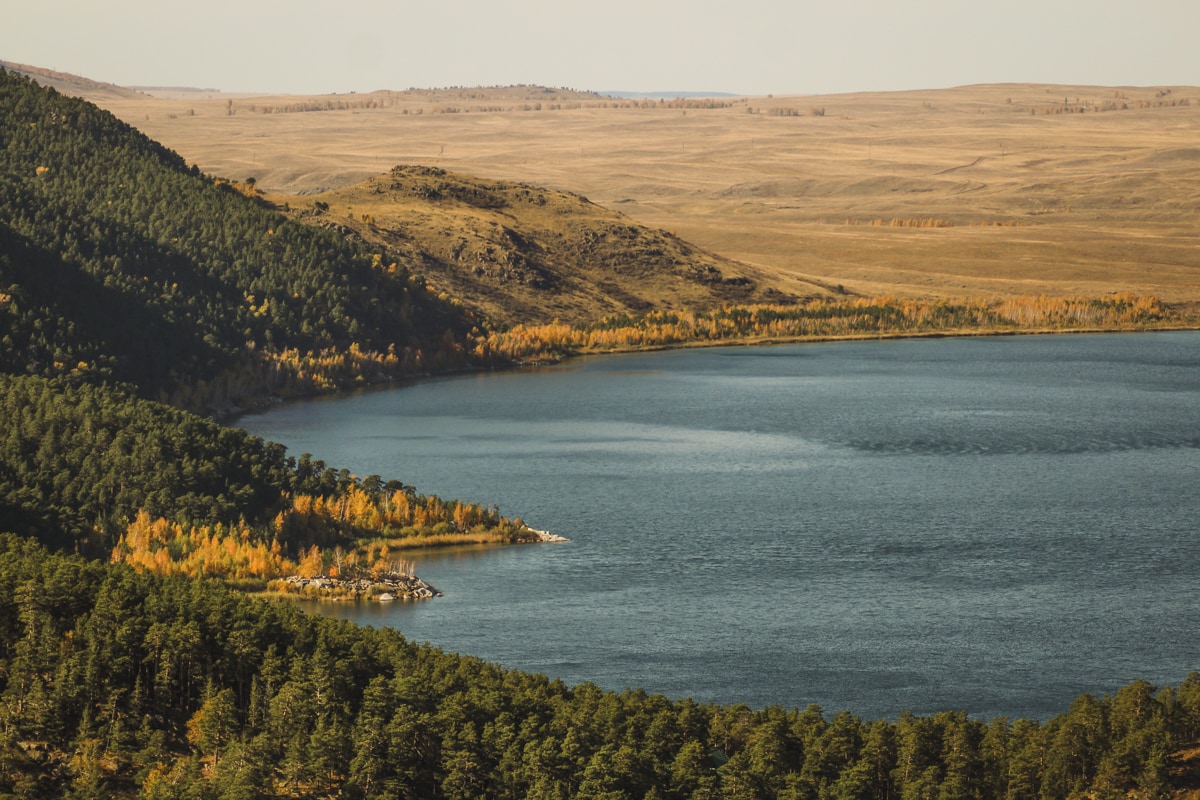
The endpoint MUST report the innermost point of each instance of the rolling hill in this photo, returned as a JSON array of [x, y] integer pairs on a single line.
[[516, 253], [68, 83]]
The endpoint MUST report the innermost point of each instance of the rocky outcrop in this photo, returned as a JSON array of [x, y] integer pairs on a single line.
[[390, 587], [546, 536]]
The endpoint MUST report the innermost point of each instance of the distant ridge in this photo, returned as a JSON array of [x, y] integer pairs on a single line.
[[68, 83], [174, 89], [666, 95]]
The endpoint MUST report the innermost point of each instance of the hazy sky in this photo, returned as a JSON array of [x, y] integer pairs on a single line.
[[743, 46]]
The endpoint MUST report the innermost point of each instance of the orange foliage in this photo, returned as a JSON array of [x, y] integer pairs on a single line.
[[242, 552], [358, 512], [818, 319], [167, 548]]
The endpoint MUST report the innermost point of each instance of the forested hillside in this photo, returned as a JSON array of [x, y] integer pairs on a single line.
[[126, 275], [83, 460], [91, 467], [119, 684], [118, 260]]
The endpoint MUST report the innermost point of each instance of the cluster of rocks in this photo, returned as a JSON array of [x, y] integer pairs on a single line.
[[546, 536], [392, 587]]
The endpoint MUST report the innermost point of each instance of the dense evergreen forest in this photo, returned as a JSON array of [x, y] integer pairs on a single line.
[[119, 261], [82, 460], [79, 464], [128, 279], [126, 275], [125, 684]]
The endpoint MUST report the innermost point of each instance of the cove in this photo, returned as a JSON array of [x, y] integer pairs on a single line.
[[988, 524]]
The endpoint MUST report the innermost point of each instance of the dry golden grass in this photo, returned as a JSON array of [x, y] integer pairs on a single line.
[[1034, 200], [515, 253]]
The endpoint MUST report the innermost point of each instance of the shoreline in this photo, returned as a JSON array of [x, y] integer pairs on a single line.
[[324, 588], [385, 588], [768, 341], [232, 415]]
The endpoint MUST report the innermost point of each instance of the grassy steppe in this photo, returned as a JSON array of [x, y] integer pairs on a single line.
[[1059, 190]]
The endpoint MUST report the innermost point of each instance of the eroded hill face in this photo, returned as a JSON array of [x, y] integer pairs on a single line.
[[516, 253]]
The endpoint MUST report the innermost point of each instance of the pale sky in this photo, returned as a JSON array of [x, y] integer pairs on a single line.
[[740, 46]]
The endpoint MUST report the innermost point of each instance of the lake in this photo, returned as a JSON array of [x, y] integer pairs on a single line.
[[988, 524]]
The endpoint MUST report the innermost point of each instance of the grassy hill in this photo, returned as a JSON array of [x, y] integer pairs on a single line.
[[513, 252], [67, 83]]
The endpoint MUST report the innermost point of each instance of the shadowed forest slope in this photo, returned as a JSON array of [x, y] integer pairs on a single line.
[[119, 261], [127, 278]]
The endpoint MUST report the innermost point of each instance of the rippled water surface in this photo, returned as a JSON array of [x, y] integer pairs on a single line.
[[988, 524]]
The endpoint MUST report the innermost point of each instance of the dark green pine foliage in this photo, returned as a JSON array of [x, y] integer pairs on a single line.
[[119, 684], [118, 259], [77, 462], [124, 273]]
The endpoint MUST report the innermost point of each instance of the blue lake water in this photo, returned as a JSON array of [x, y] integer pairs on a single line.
[[991, 524]]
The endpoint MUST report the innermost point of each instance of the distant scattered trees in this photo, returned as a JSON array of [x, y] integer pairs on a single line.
[[823, 318], [1117, 103]]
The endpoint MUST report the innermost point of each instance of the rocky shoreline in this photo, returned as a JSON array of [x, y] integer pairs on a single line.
[[546, 536], [383, 588]]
